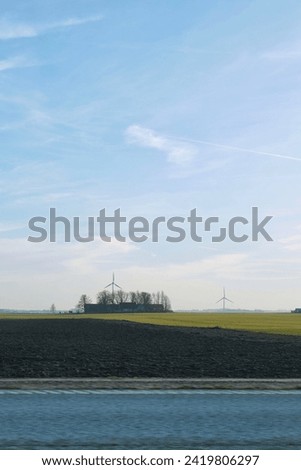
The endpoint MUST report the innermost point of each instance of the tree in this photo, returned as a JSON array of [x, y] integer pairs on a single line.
[[84, 299], [146, 298], [52, 308], [142, 297], [133, 297], [104, 298], [156, 298], [165, 302], [121, 296]]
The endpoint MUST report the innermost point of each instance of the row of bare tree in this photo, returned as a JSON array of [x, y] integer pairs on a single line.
[[142, 298]]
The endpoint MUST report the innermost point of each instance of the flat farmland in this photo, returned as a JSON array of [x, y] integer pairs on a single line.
[[97, 347], [271, 323]]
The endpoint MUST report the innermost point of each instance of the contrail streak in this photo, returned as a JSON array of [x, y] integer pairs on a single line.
[[236, 149]]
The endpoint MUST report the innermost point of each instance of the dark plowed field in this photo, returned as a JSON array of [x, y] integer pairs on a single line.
[[94, 348]]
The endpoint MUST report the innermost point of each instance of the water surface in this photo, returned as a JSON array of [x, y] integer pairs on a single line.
[[150, 420]]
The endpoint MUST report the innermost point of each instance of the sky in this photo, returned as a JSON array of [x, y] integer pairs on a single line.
[[156, 108]]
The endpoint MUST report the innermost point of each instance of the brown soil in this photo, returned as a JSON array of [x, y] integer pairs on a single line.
[[94, 348]]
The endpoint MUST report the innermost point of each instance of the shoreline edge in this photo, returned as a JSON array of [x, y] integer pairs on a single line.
[[149, 384]]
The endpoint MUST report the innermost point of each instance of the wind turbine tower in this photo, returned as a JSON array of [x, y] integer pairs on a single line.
[[224, 299], [113, 285]]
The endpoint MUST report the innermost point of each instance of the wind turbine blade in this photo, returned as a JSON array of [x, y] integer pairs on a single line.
[[117, 285], [229, 300], [219, 300], [109, 285]]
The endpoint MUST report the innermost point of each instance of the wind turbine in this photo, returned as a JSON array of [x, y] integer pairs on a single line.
[[224, 299], [113, 284]]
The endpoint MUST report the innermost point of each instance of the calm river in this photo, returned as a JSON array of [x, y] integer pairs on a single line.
[[150, 420]]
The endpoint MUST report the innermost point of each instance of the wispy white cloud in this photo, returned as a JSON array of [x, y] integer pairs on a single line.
[[25, 275], [75, 22], [238, 149], [288, 52], [227, 266], [62, 256], [10, 227], [15, 62], [13, 30], [182, 151], [177, 153], [292, 242]]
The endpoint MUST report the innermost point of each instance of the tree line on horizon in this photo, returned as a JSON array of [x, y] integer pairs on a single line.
[[141, 298]]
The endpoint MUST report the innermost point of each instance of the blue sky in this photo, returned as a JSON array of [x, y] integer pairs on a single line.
[[156, 108]]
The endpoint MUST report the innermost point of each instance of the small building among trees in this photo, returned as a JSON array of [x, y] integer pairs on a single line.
[[126, 307], [125, 302]]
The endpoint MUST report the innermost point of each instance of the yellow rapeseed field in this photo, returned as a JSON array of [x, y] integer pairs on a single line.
[[277, 323]]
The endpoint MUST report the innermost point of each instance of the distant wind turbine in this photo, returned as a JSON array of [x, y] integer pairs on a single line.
[[224, 299], [113, 285]]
